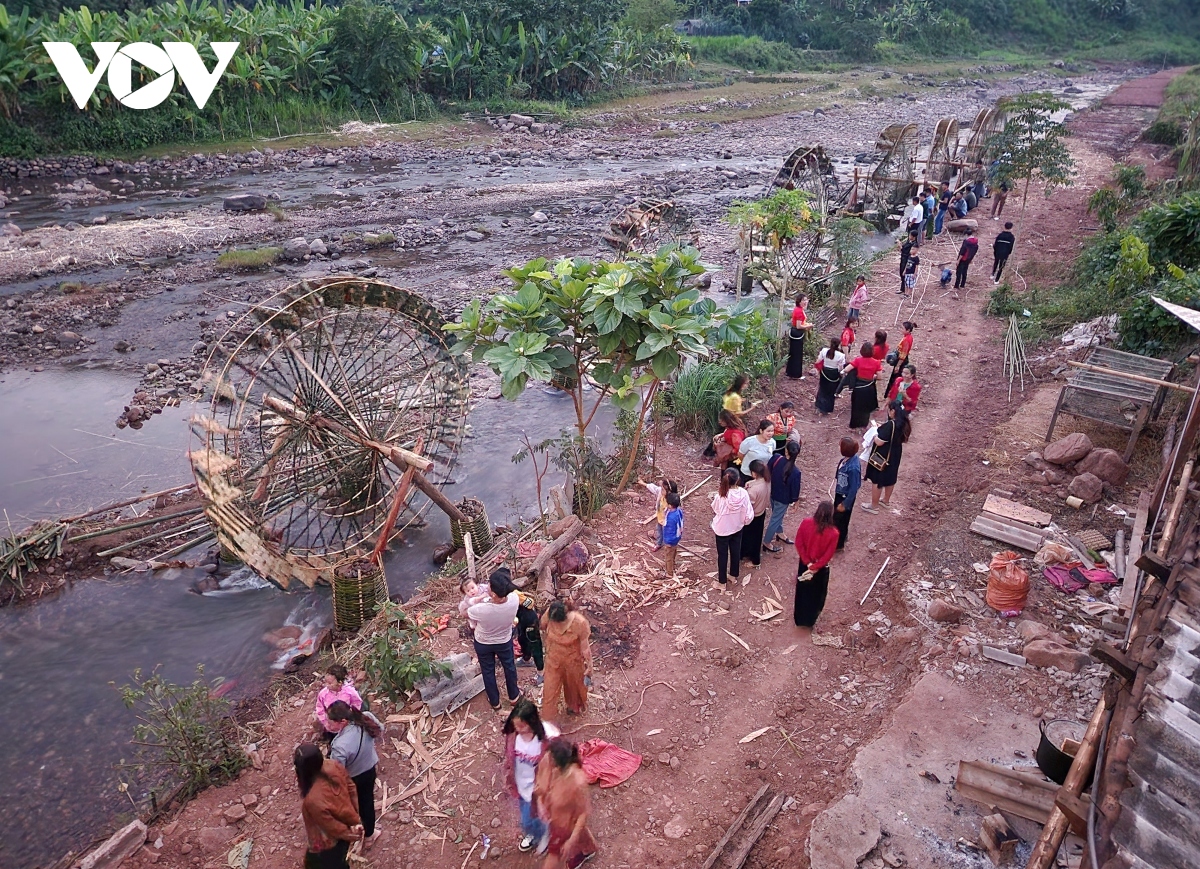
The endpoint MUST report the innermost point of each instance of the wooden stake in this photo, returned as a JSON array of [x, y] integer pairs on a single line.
[[470, 550], [875, 580], [1164, 543]]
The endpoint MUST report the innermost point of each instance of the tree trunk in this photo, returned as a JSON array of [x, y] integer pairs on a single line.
[[637, 436]]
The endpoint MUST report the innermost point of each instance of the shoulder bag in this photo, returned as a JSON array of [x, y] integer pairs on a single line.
[[878, 460]]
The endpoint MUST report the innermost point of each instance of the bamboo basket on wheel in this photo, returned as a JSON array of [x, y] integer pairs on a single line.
[[359, 589]]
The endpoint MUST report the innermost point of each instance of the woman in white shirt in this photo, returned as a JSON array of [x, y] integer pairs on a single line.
[[526, 738], [493, 621], [732, 511], [760, 447]]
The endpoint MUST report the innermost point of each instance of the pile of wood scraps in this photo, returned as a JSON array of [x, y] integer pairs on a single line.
[[628, 579], [1013, 523], [434, 747]]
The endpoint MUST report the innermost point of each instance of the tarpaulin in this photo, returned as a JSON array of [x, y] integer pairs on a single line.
[[606, 763]]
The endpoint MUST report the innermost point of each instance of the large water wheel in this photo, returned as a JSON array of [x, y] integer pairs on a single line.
[[333, 403], [939, 165], [892, 176], [810, 170], [987, 123], [648, 224]]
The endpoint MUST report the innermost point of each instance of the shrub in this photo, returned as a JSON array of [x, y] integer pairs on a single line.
[[747, 52], [184, 728], [399, 660], [248, 260], [1164, 133], [694, 399]]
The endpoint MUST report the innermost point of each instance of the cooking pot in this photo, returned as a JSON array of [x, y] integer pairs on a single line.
[[1052, 759]]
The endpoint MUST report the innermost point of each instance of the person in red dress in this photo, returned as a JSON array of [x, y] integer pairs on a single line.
[[906, 389], [846, 342], [860, 375], [816, 543], [902, 351]]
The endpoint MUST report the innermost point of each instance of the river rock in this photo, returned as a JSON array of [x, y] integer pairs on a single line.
[[10, 230], [675, 828], [1106, 464], [245, 202], [330, 160], [317, 247], [474, 235], [1068, 449], [133, 564], [120, 845], [539, 217], [1048, 652], [521, 120], [100, 220], [1087, 487], [214, 839], [944, 611], [295, 249]]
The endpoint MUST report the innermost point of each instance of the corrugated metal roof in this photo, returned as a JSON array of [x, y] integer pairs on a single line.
[[1189, 315], [1159, 825]]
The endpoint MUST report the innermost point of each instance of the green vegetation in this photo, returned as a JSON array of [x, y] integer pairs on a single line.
[[398, 660], [248, 260], [306, 68], [1151, 249], [747, 52], [185, 729], [1032, 145]]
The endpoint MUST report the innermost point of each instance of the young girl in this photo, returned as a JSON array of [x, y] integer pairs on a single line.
[[472, 594], [910, 273], [858, 298], [847, 339], [902, 351], [337, 687], [526, 737], [785, 425], [660, 509], [672, 530]]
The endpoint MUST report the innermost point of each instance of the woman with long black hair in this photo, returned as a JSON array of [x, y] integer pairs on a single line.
[[526, 740], [732, 511], [329, 808], [354, 748], [816, 543], [860, 376], [799, 331], [829, 374], [759, 490], [903, 349], [888, 450]]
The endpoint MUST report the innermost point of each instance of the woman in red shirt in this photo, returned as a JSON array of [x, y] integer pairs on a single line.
[[800, 327], [880, 348], [863, 399], [732, 434], [906, 389], [902, 351], [816, 542]]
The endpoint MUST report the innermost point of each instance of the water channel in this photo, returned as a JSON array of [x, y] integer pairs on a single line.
[[59, 659]]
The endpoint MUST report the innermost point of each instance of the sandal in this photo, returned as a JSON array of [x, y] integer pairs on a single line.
[[773, 548]]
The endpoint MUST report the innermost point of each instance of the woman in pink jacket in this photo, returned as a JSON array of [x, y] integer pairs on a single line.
[[732, 511]]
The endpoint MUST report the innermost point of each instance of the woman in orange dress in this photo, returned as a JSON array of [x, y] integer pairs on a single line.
[[566, 639], [561, 791]]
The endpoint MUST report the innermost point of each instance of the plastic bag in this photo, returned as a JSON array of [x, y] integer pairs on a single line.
[[868, 442], [1054, 553], [1008, 583]]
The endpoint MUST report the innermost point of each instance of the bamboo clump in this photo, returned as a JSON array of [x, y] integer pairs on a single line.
[[1016, 364], [20, 553]]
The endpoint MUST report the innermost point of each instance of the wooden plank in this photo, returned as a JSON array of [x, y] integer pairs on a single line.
[[755, 831], [1024, 794], [1016, 511], [1013, 524], [735, 826], [1011, 536], [1136, 545]]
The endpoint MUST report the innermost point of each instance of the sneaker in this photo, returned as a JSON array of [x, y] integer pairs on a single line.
[[524, 662], [867, 508], [544, 842], [526, 844]]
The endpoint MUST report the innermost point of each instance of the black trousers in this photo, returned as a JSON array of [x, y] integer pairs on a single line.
[[752, 539], [364, 783], [810, 596], [841, 521], [998, 266], [488, 654], [529, 637], [729, 555], [960, 275], [334, 858]]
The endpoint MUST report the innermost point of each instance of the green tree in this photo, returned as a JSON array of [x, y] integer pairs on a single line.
[[646, 16], [625, 327], [1033, 144]]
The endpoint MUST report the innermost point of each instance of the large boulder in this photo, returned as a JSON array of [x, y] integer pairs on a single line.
[[10, 230], [1068, 449], [245, 202], [1048, 652], [521, 120], [1086, 487], [1106, 464], [295, 249]]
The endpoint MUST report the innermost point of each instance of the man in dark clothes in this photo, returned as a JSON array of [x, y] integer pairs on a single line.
[[943, 203], [910, 241], [966, 253], [1002, 249]]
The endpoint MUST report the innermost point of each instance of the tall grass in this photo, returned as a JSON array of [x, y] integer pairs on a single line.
[[694, 399], [748, 52]]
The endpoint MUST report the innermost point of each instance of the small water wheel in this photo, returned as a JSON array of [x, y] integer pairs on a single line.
[[332, 402]]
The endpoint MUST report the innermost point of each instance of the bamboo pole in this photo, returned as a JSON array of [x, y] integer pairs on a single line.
[[1056, 826], [149, 538], [121, 504], [1126, 376], [129, 526], [1164, 542]]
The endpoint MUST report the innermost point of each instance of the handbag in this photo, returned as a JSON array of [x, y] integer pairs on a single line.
[[723, 455], [878, 460], [892, 357]]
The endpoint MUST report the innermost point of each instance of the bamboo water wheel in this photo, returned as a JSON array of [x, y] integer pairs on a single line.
[[988, 123], [334, 402], [939, 165], [892, 176], [809, 169]]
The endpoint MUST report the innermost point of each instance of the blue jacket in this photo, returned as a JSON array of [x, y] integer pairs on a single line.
[[673, 528], [849, 478], [784, 489]]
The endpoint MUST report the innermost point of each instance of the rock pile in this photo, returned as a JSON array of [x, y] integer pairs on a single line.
[[523, 123], [1077, 468]]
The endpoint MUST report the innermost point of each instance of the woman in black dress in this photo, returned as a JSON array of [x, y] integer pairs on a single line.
[[829, 375], [799, 330], [888, 450], [860, 376]]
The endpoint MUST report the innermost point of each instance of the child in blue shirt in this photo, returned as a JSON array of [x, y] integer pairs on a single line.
[[672, 530]]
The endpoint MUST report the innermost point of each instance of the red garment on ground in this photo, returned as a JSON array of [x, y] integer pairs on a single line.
[[814, 547], [607, 763]]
